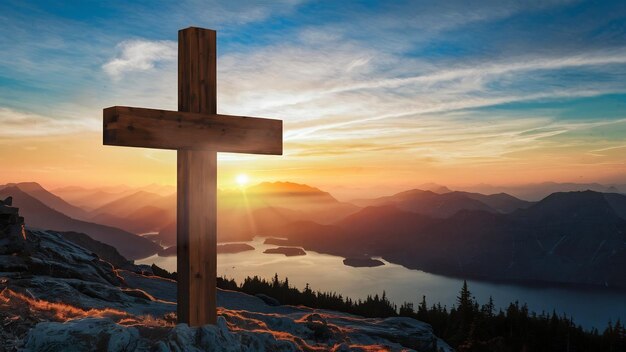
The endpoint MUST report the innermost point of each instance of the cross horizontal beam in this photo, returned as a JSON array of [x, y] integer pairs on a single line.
[[163, 129]]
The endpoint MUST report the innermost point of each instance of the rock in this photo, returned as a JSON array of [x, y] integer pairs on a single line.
[[89, 334], [319, 326], [270, 301], [12, 232], [360, 262], [234, 248], [276, 241], [288, 251], [104, 251]]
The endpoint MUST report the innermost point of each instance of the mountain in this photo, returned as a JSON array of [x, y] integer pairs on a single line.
[[501, 202], [41, 216], [93, 198], [241, 213], [131, 203], [138, 212], [430, 203], [143, 220], [570, 237], [57, 296], [445, 204], [318, 205], [434, 187], [618, 203], [267, 207], [51, 200], [538, 191], [164, 190]]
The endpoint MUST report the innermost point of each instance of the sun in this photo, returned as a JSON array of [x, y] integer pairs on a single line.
[[242, 179]]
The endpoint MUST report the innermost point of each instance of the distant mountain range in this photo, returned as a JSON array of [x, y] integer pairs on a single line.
[[43, 216], [568, 237], [268, 206], [443, 205], [538, 191]]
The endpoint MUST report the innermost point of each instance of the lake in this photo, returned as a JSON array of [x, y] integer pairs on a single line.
[[590, 307]]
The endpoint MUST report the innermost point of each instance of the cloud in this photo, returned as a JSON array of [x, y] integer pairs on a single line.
[[342, 99], [16, 124], [140, 55], [382, 81]]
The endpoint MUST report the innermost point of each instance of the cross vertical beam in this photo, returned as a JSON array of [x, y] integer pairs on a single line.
[[197, 183]]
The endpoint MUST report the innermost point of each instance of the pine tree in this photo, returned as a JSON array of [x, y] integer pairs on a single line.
[[422, 310], [489, 308], [464, 301]]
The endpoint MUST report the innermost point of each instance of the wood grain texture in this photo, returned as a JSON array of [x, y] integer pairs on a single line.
[[197, 184], [151, 128], [197, 237]]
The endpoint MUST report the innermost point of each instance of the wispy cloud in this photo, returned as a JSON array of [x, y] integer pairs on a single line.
[[438, 83], [140, 55], [16, 124]]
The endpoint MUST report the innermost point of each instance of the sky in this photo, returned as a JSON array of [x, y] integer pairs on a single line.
[[375, 96]]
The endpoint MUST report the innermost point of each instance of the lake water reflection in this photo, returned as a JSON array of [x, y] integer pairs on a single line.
[[589, 307]]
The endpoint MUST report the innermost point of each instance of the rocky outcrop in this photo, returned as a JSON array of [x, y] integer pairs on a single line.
[[287, 251], [58, 296], [362, 262]]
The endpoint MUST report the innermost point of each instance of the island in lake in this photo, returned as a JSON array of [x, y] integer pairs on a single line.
[[227, 248], [288, 251], [362, 262], [276, 241]]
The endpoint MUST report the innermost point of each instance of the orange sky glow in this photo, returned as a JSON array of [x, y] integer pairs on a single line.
[[456, 95]]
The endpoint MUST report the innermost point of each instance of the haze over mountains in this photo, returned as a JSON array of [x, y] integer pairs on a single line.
[[538, 191], [569, 237], [42, 216]]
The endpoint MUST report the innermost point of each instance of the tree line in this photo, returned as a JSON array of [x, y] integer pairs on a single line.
[[466, 326]]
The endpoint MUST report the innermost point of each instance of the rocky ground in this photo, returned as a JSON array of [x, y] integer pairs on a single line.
[[57, 296]]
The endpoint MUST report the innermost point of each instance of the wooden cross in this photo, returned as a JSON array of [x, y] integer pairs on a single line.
[[197, 132]]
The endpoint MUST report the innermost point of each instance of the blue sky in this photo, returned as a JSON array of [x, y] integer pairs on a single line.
[[433, 85]]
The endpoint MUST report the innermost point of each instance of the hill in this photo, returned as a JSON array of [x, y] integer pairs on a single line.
[[573, 238], [538, 191], [131, 203], [444, 203], [41, 216], [318, 205], [49, 199], [91, 198]]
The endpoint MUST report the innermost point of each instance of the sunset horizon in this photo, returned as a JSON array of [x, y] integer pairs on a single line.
[[306, 175], [404, 109]]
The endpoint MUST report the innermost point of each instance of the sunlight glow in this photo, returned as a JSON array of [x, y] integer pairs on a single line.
[[242, 179]]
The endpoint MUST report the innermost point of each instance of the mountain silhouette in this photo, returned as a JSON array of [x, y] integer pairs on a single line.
[[90, 199], [49, 199], [126, 205], [318, 205], [443, 205], [573, 237], [538, 191], [41, 216]]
